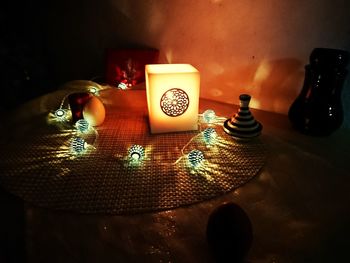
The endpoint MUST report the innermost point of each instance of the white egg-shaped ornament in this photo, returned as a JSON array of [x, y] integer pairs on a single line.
[[94, 111]]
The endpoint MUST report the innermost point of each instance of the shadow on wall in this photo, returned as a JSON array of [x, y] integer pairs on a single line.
[[284, 79], [273, 84]]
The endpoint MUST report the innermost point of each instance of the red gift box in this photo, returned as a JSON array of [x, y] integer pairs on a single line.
[[128, 65]]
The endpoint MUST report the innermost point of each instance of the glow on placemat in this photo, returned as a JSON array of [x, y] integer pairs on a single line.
[[82, 125], [209, 116], [78, 145], [196, 158], [209, 135], [136, 153]]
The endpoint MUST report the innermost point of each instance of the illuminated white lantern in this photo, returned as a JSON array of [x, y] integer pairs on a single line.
[[172, 97]]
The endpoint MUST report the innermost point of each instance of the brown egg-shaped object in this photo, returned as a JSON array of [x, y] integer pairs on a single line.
[[229, 233], [94, 111]]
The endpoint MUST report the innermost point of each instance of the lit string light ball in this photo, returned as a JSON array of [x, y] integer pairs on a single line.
[[94, 91], [209, 135], [82, 125], [209, 116], [78, 145], [122, 86], [60, 114], [136, 153], [196, 158]]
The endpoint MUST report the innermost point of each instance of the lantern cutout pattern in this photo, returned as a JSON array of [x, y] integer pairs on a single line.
[[174, 102]]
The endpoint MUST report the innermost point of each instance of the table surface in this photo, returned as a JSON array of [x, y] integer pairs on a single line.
[[298, 205]]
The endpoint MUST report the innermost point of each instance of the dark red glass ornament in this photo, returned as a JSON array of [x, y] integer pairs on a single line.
[[77, 102]]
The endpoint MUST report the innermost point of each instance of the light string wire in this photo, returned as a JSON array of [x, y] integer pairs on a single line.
[[99, 89], [63, 100], [217, 121]]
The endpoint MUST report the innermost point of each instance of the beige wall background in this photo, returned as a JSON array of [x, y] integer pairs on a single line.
[[257, 47]]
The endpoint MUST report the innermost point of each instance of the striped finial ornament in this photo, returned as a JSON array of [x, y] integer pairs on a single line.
[[242, 125]]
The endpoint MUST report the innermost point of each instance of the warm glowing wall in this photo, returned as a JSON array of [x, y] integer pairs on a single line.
[[257, 47]]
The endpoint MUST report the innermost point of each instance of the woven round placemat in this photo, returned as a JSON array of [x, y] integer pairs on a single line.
[[37, 165]]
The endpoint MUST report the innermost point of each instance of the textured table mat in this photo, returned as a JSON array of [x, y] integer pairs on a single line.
[[36, 164]]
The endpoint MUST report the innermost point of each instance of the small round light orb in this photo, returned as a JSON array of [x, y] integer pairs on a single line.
[[60, 114], [93, 90], [78, 145], [82, 125], [209, 135], [136, 153], [196, 158], [209, 116], [122, 86]]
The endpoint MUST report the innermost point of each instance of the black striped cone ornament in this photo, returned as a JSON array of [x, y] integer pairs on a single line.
[[242, 125]]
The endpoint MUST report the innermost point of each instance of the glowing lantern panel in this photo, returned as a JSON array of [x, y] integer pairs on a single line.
[[172, 97]]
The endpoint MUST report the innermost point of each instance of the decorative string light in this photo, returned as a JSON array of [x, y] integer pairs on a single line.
[[196, 158], [60, 114], [78, 145], [122, 86], [136, 153], [82, 125], [209, 116], [94, 90], [209, 135]]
